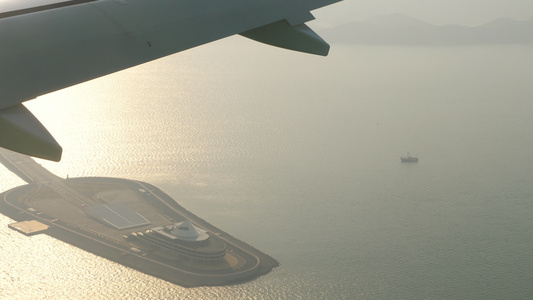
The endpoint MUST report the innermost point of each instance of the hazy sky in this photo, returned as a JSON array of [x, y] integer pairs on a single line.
[[464, 12]]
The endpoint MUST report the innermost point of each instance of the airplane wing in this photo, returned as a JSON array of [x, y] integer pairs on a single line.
[[47, 45]]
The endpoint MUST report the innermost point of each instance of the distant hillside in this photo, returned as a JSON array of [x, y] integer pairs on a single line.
[[399, 29]]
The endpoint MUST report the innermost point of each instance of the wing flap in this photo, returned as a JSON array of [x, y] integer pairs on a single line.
[[282, 34]]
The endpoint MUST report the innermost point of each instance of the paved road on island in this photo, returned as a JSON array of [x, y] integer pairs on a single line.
[[32, 172]]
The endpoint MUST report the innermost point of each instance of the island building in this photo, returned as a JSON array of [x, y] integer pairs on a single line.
[[181, 241], [178, 241]]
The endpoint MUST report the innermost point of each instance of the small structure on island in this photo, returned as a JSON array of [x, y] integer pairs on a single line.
[[182, 241], [187, 232]]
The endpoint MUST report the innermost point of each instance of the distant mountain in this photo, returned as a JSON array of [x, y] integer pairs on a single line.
[[398, 29]]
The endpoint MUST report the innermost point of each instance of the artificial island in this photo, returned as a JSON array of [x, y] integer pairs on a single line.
[[129, 222]]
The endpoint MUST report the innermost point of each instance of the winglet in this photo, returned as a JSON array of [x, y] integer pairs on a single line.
[[23, 133], [282, 34]]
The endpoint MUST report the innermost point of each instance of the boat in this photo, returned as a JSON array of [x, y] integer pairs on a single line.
[[409, 158]]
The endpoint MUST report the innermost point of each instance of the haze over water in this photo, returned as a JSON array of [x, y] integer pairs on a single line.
[[298, 156]]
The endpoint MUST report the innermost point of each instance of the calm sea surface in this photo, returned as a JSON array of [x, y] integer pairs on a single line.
[[298, 155]]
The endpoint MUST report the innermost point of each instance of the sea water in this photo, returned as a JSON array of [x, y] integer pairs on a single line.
[[298, 156]]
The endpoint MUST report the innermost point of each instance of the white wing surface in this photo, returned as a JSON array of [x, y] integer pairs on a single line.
[[53, 45]]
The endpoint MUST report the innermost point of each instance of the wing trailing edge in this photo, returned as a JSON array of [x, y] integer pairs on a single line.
[[23, 133]]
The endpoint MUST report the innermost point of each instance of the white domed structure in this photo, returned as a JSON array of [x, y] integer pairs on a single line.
[[182, 241], [186, 231]]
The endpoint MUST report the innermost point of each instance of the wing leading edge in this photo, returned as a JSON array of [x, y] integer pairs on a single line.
[[47, 49]]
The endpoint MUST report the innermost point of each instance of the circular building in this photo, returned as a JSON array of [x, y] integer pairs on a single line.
[[187, 232], [182, 241]]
